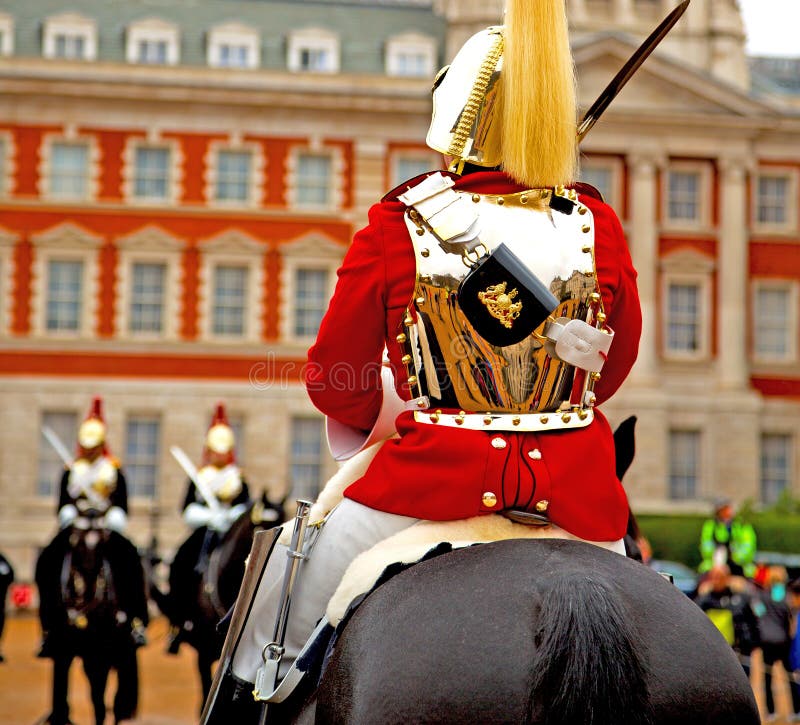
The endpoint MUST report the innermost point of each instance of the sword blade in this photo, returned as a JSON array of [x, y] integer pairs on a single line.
[[617, 83], [58, 446], [190, 470]]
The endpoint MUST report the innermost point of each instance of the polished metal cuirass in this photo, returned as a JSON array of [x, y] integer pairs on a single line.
[[449, 364]]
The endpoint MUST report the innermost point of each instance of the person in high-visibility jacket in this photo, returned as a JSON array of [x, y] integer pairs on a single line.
[[726, 539]]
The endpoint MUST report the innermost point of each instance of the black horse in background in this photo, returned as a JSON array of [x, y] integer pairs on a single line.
[[88, 610], [215, 588]]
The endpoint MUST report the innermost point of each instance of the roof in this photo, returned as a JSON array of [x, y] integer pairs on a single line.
[[363, 26]]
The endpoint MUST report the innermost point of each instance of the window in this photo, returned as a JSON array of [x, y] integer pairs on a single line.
[[142, 452], [684, 464], [683, 201], [774, 326], [152, 41], [314, 180], [602, 179], [775, 466], [64, 295], [684, 321], [153, 52], [306, 458], [233, 45], [313, 50], [69, 170], [411, 55], [311, 286], [69, 36], [236, 423], [151, 173], [233, 175], [51, 467], [147, 297], [405, 167], [230, 295], [773, 200]]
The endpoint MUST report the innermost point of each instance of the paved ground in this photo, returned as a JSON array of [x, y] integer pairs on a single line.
[[170, 689]]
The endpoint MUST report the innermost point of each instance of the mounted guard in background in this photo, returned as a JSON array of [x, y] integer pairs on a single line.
[[92, 601]]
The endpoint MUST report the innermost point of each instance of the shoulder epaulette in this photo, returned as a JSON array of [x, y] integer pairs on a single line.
[[410, 183]]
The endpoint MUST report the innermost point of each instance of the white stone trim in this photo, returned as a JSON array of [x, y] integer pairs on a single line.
[[790, 225], [704, 195], [174, 176], [149, 245], [312, 39], [792, 323], [7, 32], [92, 166], [153, 30], [258, 173], [66, 242], [313, 251], [336, 194], [411, 44], [7, 162], [7, 242], [688, 267], [232, 248], [233, 34], [73, 25]]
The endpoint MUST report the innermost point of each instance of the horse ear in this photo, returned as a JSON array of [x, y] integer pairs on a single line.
[[625, 445]]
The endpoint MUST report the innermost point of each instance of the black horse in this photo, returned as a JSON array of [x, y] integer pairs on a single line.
[[215, 588], [93, 611]]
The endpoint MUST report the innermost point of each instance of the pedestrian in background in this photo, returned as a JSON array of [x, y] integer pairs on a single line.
[[6, 578], [775, 631], [726, 539]]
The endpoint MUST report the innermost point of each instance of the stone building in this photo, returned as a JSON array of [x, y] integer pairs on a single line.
[[179, 182]]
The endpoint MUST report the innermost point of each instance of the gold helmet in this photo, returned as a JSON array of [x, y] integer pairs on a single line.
[[508, 98], [220, 438], [92, 431]]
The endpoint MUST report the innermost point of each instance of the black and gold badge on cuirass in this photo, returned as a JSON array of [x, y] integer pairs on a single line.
[[503, 299]]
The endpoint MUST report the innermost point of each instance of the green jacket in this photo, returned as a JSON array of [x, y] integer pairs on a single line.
[[740, 542]]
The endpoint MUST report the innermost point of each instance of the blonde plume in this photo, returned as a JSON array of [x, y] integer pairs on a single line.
[[539, 99]]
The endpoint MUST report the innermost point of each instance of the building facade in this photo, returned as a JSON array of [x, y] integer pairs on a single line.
[[178, 188]]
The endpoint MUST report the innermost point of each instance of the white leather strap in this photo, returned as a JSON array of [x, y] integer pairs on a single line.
[[578, 343]]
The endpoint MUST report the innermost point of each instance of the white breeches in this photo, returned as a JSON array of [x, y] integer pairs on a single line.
[[351, 529]]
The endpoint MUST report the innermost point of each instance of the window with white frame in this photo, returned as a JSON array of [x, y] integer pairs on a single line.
[[151, 173], [774, 194], [311, 300], [64, 297], [50, 466], [233, 46], [233, 176], [684, 317], [152, 41], [602, 177], [313, 50], [774, 321], [305, 461], [684, 464], [69, 170], [6, 34], [411, 55], [314, 180], [776, 466], [70, 37], [229, 304], [148, 282], [142, 452], [406, 166], [684, 196]]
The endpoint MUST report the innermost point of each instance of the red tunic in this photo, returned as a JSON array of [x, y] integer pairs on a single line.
[[440, 473]]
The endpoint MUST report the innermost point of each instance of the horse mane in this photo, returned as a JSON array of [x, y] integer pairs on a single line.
[[589, 670]]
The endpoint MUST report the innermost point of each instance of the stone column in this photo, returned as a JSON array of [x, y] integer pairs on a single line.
[[643, 241], [732, 276], [623, 11]]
